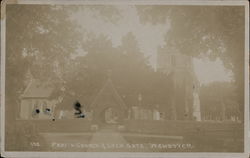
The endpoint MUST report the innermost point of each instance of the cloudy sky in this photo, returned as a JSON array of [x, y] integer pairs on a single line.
[[149, 38]]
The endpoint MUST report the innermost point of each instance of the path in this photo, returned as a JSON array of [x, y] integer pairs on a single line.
[[108, 139]]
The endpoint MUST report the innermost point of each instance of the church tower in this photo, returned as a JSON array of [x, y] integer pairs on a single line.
[[185, 102]]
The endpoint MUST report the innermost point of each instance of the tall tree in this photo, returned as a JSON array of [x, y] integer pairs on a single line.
[[39, 38], [212, 31]]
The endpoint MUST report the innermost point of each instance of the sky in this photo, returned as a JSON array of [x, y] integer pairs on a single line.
[[149, 38], [209, 71]]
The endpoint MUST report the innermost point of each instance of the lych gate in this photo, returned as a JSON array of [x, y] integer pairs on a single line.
[[108, 107]]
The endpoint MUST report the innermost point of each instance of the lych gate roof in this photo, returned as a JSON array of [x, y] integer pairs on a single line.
[[36, 89], [108, 95]]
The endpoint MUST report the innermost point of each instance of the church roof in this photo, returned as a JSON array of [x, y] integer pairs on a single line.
[[108, 95], [37, 89]]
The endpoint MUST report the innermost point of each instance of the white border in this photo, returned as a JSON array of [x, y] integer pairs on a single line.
[[2, 107], [246, 84], [134, 2], [127, 154], [246, 115]]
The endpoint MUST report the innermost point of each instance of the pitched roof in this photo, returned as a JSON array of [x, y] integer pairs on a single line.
[[37, 89], [108, 95]]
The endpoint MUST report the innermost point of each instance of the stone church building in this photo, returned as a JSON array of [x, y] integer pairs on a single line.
[[185, 101], [36, 101]]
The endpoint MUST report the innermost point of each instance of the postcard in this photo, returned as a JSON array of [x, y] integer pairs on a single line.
[[124, 78]]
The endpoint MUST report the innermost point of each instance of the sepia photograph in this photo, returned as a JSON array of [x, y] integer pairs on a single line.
[[124, 77]]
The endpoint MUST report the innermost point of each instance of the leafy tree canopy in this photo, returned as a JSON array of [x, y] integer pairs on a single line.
[[211, 31]]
